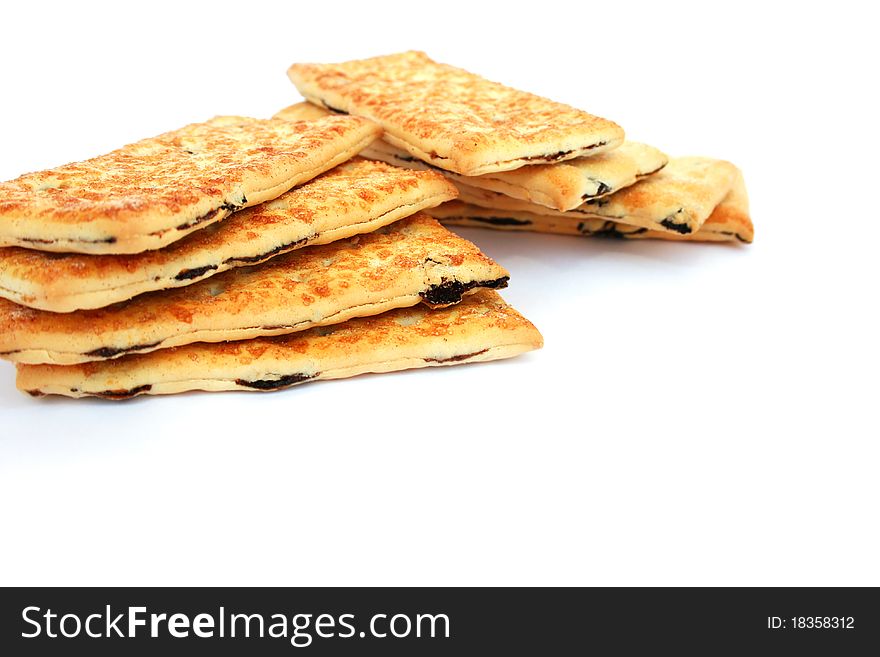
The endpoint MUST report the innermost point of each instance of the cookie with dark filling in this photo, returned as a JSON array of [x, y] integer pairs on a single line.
[[156, 191], [730, 221], [454, 119], [480, 328], [412, 261], [355, 197], [677, 199]]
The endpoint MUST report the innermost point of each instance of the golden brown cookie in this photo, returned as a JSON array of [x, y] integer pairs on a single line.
[[481, 328]]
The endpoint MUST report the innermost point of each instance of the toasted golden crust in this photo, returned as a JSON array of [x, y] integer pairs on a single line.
[[678, 198], [355, 197], [412, 260], [561, 186], [729, 221], [454, 119], [379, 150], [151, 193], [481, 328]]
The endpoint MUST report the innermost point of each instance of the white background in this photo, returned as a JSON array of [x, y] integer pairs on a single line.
[[701, 414]]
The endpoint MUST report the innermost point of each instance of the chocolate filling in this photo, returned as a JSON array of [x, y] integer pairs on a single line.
[[275, 384], [550, 158], [611, 231], [231, 207], [112, 240], [455, 359], [676, 226], [36, 393], [410, 158], [501, 221], [187, 274], [736, 235], [121, 394], [542, 158], [583, 230], [561, 154], [110, 352], [598, 202], [449, 292], [603, 189], [273, 252], [34, 240]]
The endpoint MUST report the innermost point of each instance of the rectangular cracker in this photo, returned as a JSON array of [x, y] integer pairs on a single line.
[[355, 197], [151, 193], [481, 328], [413, 260], [678, 198], [729, 221], [561, 186], [454, 119]]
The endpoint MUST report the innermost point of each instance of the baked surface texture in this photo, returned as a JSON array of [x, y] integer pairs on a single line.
[[678, 198], [355, 197], [561, 186], [481, 328], [410, 261], [730, 221], [454, 119], [151, 193]]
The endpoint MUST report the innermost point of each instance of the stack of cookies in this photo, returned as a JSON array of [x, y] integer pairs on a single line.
[[521, 162], [239, 254], [255, 254]]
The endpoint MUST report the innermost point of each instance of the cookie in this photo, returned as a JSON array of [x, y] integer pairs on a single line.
[[454, 119], [677, 199], [410, 261], [357, 196], [729, 221], [151, 193], [481, 328]]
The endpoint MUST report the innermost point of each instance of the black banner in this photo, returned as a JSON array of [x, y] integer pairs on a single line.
[[448, 621]]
